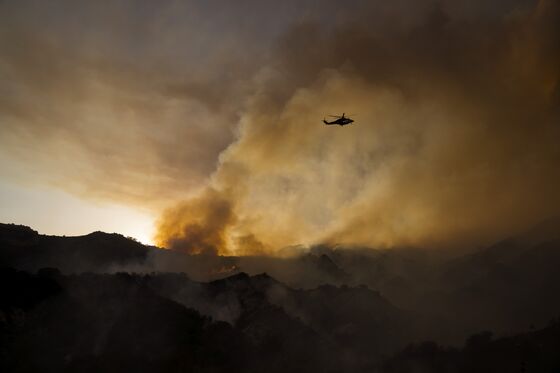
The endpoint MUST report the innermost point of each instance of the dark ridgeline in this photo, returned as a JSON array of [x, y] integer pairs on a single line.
[[89, 317], [534, 351], [106, 323], [24, 248], [123, 322]]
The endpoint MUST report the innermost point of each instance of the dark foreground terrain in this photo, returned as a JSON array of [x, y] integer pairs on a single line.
[[105, 303]]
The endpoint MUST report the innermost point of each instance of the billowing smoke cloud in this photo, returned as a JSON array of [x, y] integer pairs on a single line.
[[198, 226], [126, 101], [455, 142], [457, 117]]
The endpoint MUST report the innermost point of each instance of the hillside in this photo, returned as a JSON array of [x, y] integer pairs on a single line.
[[355, 305]]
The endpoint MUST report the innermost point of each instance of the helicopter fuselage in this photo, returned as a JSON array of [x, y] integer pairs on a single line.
[[339, 121]]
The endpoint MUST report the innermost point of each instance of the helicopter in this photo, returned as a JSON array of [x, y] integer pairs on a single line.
[[341, 120]]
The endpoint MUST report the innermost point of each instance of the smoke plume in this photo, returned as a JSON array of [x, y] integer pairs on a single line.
[[197, 226], [213, 116], [455, 141]]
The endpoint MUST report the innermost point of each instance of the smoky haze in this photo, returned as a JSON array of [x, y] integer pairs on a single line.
[[455, 142]]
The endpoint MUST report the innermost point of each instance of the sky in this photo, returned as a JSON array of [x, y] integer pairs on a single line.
[[197, 125]]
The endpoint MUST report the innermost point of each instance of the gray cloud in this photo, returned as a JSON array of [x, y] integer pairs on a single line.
[[220, 105], [454, 143]]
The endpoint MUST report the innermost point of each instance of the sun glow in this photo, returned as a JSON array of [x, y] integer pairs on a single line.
[[70, 215]]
